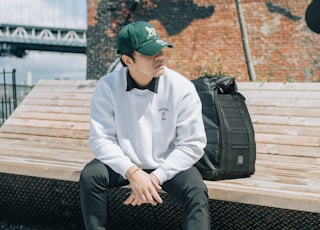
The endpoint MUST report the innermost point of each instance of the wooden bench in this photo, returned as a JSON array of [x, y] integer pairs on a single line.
[[47, 134]]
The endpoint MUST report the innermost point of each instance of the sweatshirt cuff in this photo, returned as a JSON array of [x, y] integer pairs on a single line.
[[161, 175], [125, 170]]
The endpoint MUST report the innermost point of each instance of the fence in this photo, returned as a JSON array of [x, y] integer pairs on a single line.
[[8, 94], [11, 94]]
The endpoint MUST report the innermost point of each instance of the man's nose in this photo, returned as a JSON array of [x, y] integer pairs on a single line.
[[159, 55]]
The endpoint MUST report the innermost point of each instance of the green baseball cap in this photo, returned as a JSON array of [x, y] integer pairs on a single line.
[[142, 37]]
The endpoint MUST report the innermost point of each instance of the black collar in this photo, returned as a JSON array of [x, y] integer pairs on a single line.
[[153, 86]]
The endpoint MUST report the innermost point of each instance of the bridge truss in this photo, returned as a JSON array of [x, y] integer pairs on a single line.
[[16, 39]]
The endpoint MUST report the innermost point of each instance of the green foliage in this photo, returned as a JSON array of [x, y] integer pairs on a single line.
[[212, 69]]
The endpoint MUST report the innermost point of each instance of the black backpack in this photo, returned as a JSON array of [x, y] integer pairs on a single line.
[[231, 149]]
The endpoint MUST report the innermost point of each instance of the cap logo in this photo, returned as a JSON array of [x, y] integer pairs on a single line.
[[151, 31], [161, 42]]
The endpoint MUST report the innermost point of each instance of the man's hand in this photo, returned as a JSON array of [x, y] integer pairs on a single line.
[[144, 188]]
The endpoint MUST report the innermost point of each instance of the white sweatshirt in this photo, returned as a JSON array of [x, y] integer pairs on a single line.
[[163, 131]]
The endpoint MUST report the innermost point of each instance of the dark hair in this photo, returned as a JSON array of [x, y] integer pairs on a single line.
[[130, 55]]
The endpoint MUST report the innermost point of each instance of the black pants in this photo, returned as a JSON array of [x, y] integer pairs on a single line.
[[187, 187]]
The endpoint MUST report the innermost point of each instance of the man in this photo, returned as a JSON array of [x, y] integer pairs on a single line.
[[146, 130]]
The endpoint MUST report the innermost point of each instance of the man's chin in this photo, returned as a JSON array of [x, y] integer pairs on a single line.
[[159, 73]]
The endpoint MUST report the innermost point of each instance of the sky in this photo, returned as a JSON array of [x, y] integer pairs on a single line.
[[46, 13]]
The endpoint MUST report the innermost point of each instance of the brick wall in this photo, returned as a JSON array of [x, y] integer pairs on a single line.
[[207, 38]]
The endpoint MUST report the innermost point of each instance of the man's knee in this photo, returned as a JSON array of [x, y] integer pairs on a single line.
[[187, 185], [198, 192], [94, 174], [196, 189]]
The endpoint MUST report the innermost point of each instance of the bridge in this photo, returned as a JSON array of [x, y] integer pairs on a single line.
[[16, 39]]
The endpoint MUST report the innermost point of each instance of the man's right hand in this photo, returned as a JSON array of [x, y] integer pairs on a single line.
[[144, 187]]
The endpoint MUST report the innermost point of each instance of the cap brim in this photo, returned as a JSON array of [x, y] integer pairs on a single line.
[[153, 47]]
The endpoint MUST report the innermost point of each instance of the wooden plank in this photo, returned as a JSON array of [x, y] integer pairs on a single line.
[[42, 156], [288, 150], [284, 181], [290, 170], [283, 102], [255, 86], [287, 140], [36, 157], [52, 109], [277, 86], [280, 183], [270, 197], [256, 119], [65, 86], [71, 85], [49, 131], [56, 102], [55, 90], [286, 130], [287, 159], [5, 137], [49, 170], [53, 124], [286, 120], [282, 94], [52, 116], [60, 95], [44, 147], [281, 111], [68, 83]]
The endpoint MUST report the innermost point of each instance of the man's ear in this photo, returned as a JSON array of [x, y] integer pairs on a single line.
[[126, 60]]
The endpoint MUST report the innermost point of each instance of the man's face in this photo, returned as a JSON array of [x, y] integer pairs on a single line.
[[147, 66]]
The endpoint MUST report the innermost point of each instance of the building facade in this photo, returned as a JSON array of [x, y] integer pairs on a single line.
[[213, 37]]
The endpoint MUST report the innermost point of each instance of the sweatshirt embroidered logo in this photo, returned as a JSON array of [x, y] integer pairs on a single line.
[[163, 113], [151, 31]]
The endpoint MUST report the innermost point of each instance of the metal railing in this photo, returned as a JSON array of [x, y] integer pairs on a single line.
[[8, 94]]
